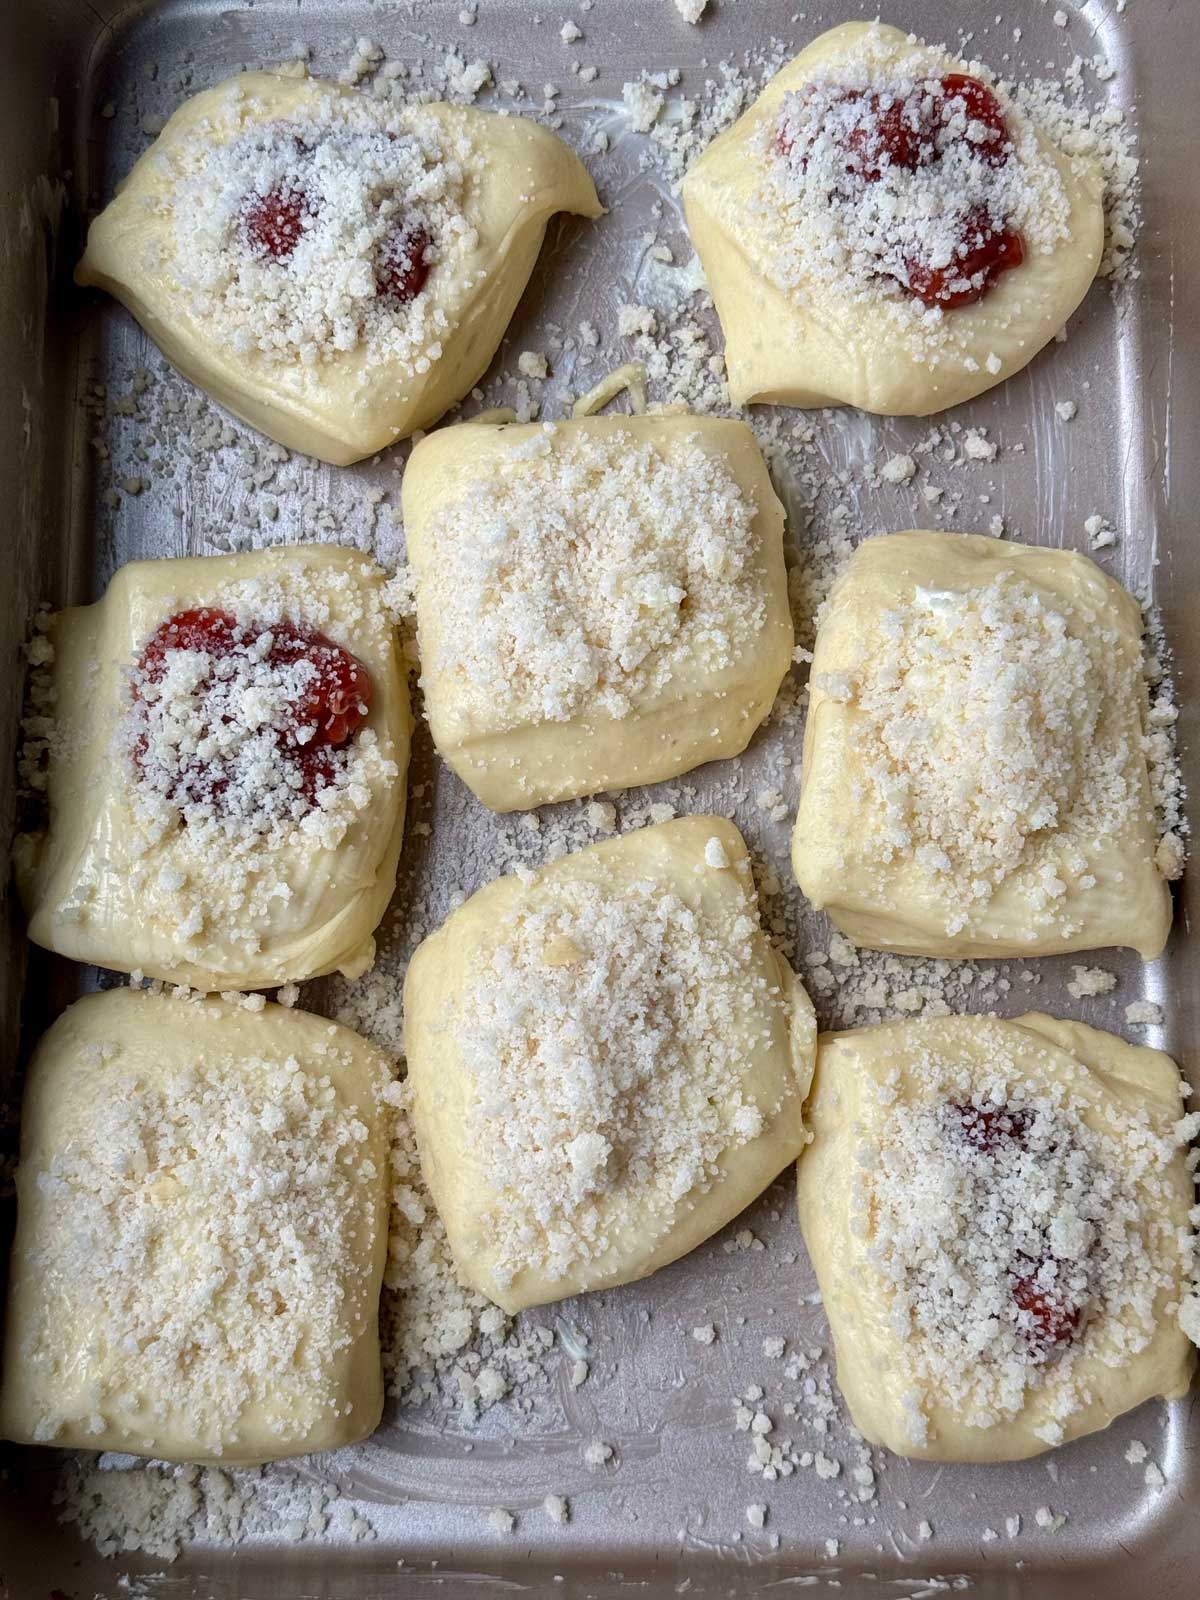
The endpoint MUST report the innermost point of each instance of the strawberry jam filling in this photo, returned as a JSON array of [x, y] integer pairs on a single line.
[[320, 693], [991, 1129], [1051, 1321], [274, 222], [982, 107], [881, 134], [881, 137], [985, 252], [884, 138], [403, 268]]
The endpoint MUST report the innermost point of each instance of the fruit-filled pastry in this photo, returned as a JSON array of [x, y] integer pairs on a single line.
[[998, 1216], [226, 754], [335, 271], [887, 227]]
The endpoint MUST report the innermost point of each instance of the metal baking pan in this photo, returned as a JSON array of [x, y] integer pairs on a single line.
[[81, 82]]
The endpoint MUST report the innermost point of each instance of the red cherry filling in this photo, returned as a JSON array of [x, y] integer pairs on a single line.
[[274, 222], [981, 106], [207, 630], [985, 252], [335, 703], [888, 140], [882, 137], [1052, 1322], [403, 270], [331, 705], [214, 632], [991, 1129], [902, 133]]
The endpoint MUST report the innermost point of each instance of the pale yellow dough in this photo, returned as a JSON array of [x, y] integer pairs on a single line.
[[1107, 889], [643, 1229], [346, 408], [850, 1121], [704, 713], [95, 890], [821, 350], [100, 1352]]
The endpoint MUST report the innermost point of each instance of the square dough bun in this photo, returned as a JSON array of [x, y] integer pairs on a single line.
[[974, 782], [816, 347], [530, 543], [607, 1060], [348, 405], [102, 887], [865, 1080], [201, 1233]]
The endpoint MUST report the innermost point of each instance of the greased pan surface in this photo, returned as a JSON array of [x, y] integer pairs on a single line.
[[83, 85]]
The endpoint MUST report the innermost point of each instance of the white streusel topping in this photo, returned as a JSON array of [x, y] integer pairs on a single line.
[[979, 734], [605, 1036], [1016, 1240], [357, 182], [585, 573], [206, 1222]]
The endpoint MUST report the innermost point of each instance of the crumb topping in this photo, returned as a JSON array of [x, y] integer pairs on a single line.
[[982, 736], [585, 573], [314, 237], [606, 1036], [206, 1228], [1019, 1232]]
